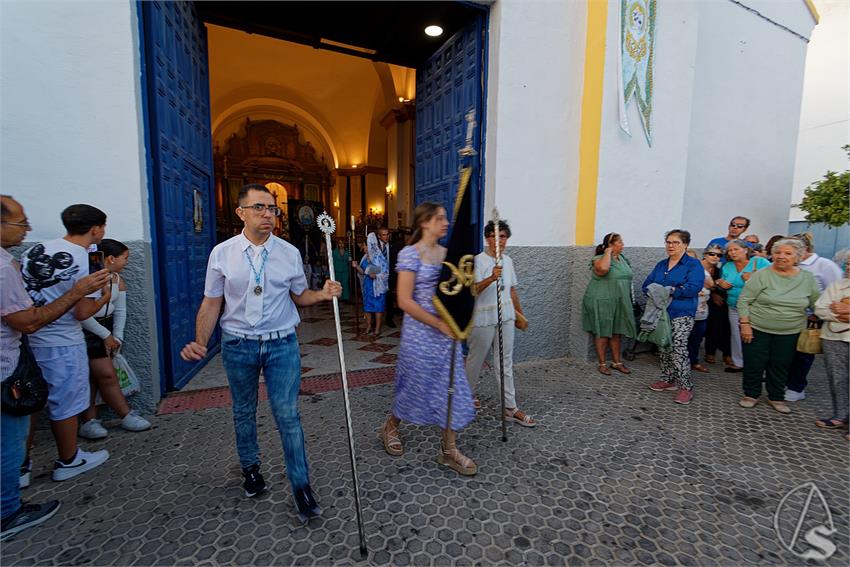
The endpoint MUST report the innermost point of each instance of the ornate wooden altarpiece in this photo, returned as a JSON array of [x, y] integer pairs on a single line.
[[268, 152]]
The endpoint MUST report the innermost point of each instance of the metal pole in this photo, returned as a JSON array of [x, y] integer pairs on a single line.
[[499, 327], [451, 389], [326, 224]]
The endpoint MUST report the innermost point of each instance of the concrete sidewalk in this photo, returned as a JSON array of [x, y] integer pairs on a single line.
[[613, 474]]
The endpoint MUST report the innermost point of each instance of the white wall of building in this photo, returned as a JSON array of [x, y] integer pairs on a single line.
[[71, 120], [534, 85], [725, 114], [640, 190], [745, 117], [825, 114]]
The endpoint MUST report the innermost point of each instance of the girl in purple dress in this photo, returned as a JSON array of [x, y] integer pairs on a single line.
[[422, 372]]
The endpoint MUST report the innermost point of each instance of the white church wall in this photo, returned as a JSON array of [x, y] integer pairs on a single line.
[[536, 59], [640, 188], [71, 121], [745, 117]]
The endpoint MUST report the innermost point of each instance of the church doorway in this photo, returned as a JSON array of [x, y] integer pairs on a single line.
[[242, 92]]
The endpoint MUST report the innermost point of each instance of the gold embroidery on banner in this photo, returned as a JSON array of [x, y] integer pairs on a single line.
[[463, 275]]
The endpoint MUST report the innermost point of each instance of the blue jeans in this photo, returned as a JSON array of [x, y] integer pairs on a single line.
[[799, 371], [14, 443], [280, 361], [695, 339]]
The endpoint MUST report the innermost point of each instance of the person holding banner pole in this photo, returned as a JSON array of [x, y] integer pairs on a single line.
[[484, 335], [423, 370]]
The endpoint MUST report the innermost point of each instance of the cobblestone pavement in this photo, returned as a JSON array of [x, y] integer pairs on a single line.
[[614, 474]]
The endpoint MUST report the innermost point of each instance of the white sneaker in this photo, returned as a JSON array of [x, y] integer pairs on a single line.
[[26, 470], [92, 429], [794, 396], [134, 422], [83, 461]]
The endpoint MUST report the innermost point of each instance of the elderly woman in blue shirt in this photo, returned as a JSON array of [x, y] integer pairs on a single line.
[[684, 276]]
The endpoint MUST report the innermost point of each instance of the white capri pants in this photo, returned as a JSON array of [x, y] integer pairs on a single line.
[[480, 342]]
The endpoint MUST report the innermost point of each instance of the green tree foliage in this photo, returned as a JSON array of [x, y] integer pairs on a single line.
[[827, 200]]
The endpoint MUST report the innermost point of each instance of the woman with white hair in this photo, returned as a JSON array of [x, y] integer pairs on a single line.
[[772, 311]]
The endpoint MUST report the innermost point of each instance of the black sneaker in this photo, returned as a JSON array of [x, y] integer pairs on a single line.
[[254, 483], [27, 516], [308, 508]]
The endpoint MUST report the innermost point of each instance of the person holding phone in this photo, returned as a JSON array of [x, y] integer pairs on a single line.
[[104, 334], [49, 270]]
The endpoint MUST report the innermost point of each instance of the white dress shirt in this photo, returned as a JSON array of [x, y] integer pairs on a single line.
[[229, 274]]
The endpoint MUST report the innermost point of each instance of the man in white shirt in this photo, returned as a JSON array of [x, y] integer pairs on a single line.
[[50, 269], [485, 336], [19, 316], [260, 280]]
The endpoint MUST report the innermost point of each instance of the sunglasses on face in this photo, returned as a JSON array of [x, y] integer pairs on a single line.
[[736, 225], [715, 254]]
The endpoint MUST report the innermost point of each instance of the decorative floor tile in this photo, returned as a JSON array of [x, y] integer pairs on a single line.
[[386, 359], [377, 347], [323, 342]]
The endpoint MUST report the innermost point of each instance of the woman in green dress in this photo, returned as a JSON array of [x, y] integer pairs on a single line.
[[606, 310], [342, 266]]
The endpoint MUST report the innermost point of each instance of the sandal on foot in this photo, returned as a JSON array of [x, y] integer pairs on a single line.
[[520, 417], [620, 367], [831, 423], [699, 367], [451, 457], [603, 369], [710, 359], [391, 440]]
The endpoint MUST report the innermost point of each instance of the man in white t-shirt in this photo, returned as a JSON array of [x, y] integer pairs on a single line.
[[259, 278], [50, 269], [485, 334]]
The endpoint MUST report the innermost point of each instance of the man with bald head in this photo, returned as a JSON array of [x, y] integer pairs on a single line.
[[18, 315]]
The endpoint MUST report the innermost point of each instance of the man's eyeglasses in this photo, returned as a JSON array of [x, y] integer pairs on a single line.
[[25, 224], [736, 225], [715, 254], [260, 209]]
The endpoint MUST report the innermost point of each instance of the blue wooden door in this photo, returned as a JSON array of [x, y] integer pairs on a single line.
[[181, 171], [448, 85]]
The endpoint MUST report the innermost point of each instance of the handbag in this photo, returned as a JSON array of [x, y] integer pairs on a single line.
[[25, 391], [809, 341]]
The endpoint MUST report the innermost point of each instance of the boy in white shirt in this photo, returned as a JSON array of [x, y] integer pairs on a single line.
[[485, 333]]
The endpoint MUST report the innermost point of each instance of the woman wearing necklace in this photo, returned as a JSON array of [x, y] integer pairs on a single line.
[[422, 371], [733, 275], [772, 309], [684, 277]]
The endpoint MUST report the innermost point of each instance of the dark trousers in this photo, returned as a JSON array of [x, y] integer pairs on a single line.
[[717, 332], [695, 338], [800, 366], [768, 358]]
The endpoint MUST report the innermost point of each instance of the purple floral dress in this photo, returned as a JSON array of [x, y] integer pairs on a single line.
[[422, 372]]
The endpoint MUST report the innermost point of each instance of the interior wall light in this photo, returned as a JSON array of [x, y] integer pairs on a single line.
[[433, 31], [390, 192]]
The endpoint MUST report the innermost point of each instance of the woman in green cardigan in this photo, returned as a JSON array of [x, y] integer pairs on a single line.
[[772, 311]]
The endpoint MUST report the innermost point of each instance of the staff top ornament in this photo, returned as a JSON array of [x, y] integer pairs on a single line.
[[326, 223]]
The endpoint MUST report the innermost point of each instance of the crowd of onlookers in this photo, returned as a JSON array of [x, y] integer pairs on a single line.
[[64, 309], [767, 309]]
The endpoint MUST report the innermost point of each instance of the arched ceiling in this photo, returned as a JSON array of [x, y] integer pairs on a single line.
[[331, 95]]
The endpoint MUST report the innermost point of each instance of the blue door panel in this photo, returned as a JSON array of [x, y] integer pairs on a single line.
[[178, 98], [448, 85]]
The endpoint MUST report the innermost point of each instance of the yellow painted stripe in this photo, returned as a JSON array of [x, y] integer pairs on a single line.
[[591, 120], [812, 10]]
